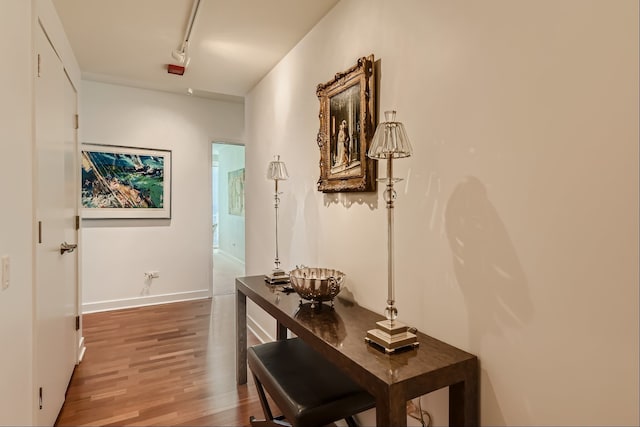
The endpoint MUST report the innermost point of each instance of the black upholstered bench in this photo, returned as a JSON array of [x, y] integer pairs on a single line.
[[309, 390]]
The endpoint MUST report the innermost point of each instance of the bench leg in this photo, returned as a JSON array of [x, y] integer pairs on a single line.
[[263, 399], [351, 422], [270, 420], [276, 422]]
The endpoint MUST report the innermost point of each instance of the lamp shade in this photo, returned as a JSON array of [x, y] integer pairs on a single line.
[[277, 170], [390, 139]]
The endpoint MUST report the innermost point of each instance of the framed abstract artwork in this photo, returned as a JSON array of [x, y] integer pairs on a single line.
[[236, 192], [125, 182], [347, 123]]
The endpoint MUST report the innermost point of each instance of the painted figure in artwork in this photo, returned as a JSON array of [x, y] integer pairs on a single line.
[[342, 157]]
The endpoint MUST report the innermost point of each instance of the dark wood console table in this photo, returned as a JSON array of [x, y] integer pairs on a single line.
[[339, 333]]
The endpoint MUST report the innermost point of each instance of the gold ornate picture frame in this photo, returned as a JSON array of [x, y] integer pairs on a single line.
[[347, 123]]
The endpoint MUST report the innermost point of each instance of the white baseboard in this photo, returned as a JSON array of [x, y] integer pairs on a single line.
[[257, 330], [228, 255], [93, 307]]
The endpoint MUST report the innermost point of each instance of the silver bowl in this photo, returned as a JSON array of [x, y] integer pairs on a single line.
[[316, 284]]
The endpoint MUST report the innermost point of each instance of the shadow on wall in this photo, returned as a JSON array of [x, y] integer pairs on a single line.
[[286, 221], [485, 263], [348, 199], [488, 272], [489, 400], [305, 238]]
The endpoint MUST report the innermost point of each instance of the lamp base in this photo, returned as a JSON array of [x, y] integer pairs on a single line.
[[391, 336], [277, 276]]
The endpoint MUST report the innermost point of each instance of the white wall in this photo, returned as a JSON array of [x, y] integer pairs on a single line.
[[517, 222], [231, 227], [117, 253], [18, 21], [16, 222]]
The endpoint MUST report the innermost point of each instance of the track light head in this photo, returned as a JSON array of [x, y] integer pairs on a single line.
[[178, 55], [181, 55]]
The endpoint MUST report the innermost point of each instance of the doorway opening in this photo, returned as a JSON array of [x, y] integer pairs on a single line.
[[227, 226]]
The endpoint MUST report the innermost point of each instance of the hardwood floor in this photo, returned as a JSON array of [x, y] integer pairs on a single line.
[[171, 364], [225, 270]]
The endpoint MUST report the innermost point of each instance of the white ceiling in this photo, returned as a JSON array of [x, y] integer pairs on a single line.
[[233, 43]]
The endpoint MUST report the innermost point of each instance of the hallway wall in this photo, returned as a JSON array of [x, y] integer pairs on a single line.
[[18, 21], [517, 220], [16, 227], [116, 253]]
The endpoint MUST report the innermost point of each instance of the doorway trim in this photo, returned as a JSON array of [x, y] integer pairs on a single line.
[[60, 314], [216, 140]]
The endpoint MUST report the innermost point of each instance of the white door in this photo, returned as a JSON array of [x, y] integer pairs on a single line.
[[55, 195]]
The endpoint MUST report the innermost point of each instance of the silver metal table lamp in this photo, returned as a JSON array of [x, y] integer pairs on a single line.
[[390, 142], [277, 171]]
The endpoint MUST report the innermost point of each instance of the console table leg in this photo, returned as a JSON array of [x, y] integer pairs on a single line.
[[391, 410], [464, 409], [241, 337], [281, 331]]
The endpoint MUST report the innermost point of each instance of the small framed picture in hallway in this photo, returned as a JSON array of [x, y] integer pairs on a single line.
[[236, 192], [125, 182]]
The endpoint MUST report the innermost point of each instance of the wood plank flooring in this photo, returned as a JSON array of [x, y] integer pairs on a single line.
[[171, 364]]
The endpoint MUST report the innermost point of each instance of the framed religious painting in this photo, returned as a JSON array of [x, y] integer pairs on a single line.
[[125, 182], [347, 123]]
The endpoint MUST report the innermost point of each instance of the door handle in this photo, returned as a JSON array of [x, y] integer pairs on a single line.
[[67, 247]]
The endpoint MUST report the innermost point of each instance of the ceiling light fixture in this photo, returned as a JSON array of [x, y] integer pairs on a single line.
[[182, 54]]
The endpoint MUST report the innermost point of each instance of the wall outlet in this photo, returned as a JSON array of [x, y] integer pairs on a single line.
[[5, 272]]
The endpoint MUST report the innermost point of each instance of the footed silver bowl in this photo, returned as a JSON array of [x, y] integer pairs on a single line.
[[316, 284]]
